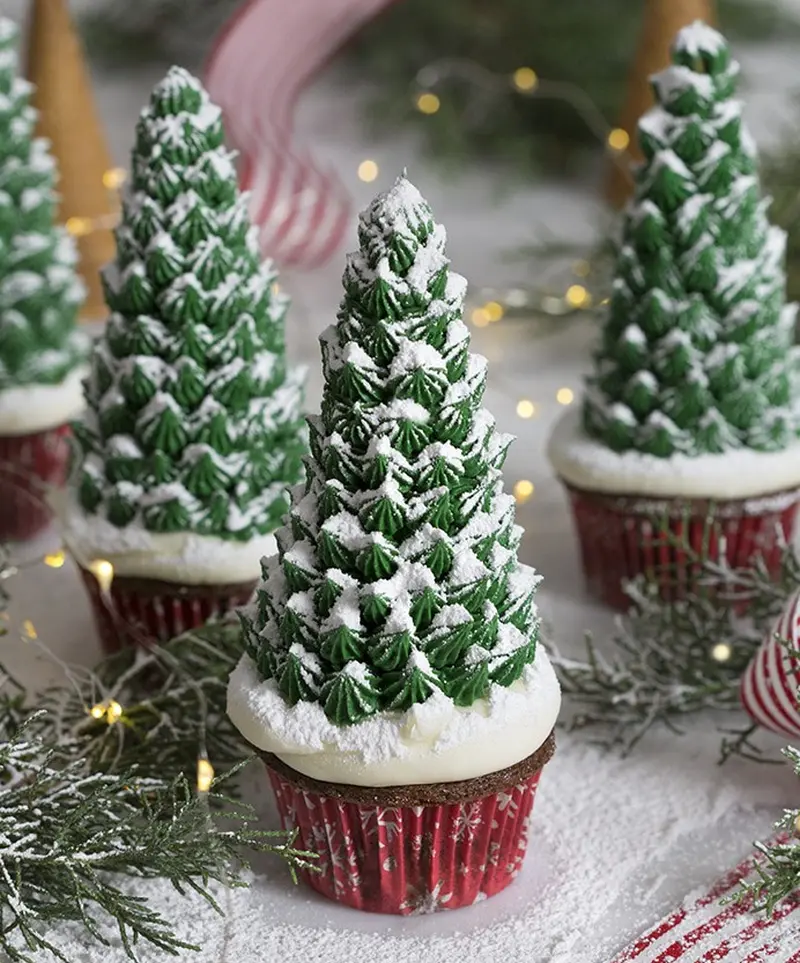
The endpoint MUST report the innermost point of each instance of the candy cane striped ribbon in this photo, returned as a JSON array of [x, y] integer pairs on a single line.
[[771, 682], [260, 64], [703, 931]]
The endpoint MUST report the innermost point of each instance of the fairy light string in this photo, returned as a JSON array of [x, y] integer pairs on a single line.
[[427, 96], [108, 709]]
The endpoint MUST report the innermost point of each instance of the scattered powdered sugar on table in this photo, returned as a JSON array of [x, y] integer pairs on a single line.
[[615, 844]]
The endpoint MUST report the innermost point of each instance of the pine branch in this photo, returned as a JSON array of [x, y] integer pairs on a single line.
[[668, 660], [778, 873], [67, 834], [114, 797], [172, 707]]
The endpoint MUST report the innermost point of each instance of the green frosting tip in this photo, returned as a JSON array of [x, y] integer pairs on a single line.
[[397, 579], [40, 293], [193, 423], [697, 354]]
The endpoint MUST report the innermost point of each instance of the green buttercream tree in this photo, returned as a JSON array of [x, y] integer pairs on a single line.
[[397, 575], [40, 292], [697, 350], [193, 422]]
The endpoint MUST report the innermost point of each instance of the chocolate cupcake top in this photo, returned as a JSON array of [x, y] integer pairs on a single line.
[[396, 618], [42, 354], [193, 429], [696, 362]]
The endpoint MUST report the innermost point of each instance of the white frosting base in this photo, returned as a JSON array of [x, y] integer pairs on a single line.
[[31, 408], [740, 473], [181, 557], [435, 741]]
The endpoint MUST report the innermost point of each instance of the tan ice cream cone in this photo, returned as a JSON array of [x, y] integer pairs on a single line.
[[68, 118], [662, 19]]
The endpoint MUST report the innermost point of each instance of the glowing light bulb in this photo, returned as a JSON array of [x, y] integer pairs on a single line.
[[577, 296], [494, 310], [367, 171], [428, 103], [113, 712], [721, 652], [565, 396], [480, 317], [525, 408], [525, 79], [205, 775], [97, 712], [78, 226], [103, 571], [619, 139], [55, 559], [114, 178], [29, 629], [523, 490]]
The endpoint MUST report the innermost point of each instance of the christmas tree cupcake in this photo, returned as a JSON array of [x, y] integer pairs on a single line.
[[691, 412], [393, 680], [193, 429], [42, 356]]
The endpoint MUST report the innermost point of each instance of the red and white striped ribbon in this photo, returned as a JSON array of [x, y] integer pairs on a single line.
[[704, 931], [260, 64], [771, 683]]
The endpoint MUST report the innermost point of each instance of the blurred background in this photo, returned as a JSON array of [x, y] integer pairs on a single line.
[[511, 116]]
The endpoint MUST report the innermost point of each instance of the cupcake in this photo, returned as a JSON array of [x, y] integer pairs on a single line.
[[42, 355], [686, 440], [394, 683], [193, 430]]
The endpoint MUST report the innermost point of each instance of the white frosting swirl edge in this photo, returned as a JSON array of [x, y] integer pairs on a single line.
[[181, 557], [435, 741], [33, 408], [737, 474]]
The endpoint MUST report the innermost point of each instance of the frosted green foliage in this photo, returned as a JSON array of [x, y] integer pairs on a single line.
[[193, 422], [40, 292], [397, 577], [697, 349]]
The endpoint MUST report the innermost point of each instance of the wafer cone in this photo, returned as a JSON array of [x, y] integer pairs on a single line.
[[661, 22], [68, 118]]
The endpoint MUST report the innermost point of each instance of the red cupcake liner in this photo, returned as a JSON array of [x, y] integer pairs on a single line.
[[136, 611], [29, 466], [408, 860], [622, 538]]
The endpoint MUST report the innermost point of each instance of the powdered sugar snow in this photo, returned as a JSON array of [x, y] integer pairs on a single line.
[[605, 861]]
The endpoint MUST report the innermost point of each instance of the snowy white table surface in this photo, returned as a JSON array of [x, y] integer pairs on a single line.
[[615, 843]]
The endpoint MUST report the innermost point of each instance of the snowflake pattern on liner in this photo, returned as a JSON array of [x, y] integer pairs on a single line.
[[410, 860], [193, 422], [697, 353], [397, 576], [40, 293]]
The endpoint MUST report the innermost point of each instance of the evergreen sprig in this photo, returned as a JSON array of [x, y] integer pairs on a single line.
[[669, 659], [87, 803], [172, 707], [777, 872], [68, 834], [666, 665]]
